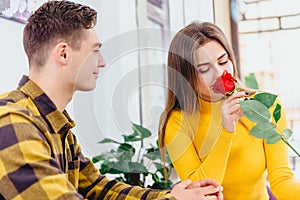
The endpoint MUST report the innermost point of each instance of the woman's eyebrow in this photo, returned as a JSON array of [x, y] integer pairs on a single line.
[[202, 64], [207, 63], [224, 54]]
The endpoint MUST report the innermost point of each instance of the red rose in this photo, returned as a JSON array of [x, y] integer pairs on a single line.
[[225, 84]]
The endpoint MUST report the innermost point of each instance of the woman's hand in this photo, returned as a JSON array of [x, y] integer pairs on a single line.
[[231, 110], [206, 189]]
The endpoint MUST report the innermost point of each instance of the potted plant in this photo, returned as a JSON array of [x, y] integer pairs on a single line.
[[132, 164]]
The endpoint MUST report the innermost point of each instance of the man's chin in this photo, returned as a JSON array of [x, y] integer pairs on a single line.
[[86, 88]]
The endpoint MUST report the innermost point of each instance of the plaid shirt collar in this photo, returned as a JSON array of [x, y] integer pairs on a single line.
[[60, 122]]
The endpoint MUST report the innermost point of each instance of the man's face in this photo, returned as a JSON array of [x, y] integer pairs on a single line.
[[86, 62]]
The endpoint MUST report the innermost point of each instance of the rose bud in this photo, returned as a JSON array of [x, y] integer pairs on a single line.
[[225, 84]]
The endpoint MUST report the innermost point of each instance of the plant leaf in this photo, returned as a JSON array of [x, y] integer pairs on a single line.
[[152, 154], [250, 81], [120, 178], [287, 133], [155, 178], [255, 111], [127, 147], [141, 131], [138, 167], [162, 184], [121, 166], [160, 168], [128, 151], [277, 113], [109, 167], [263, 130], [108, 140], [132, 138], [274, 139], [265, 98], [158, 165], [104, 156]]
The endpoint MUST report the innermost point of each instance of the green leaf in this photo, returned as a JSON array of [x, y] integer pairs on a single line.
[[121, 166], [155, 178], [287, 133], [274, 139], [263, 130], [277, 113], [126, 147], [158, 165], [97, 158], [250, 81], [120, 178], [152, 154], [138, 167], [108, 140], [132, 138], [265, 98], [128, 151], [162, 185], [141, 131], [160, 168], [255, 111], [109, 168]]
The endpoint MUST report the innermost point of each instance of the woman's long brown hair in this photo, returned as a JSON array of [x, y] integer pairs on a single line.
[[182, 74]]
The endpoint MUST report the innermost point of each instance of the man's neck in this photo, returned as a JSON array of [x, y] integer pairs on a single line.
[[53, 88]]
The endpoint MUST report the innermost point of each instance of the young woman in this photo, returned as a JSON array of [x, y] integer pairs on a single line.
[[205, 134]]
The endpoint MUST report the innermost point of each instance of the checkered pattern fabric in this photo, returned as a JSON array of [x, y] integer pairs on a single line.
[[41, 159]]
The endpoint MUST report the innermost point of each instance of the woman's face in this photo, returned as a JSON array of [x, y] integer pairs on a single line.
[[211, 60]]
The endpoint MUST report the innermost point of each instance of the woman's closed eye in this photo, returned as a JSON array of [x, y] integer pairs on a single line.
[[203, 69], [223, 62]]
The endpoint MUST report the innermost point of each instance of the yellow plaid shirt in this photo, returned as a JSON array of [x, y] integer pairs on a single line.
[[41, 159]]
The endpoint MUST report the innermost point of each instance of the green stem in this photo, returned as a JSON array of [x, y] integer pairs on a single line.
[[286, 142]]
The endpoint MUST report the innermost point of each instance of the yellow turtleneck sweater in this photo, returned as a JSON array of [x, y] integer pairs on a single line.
[[200, 148]]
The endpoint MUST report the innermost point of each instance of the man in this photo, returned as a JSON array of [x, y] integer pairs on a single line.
[[39, 156]]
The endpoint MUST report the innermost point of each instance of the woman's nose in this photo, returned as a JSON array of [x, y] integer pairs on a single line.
[[218, 71]]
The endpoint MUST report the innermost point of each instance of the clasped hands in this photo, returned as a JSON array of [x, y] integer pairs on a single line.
[[206, 189]]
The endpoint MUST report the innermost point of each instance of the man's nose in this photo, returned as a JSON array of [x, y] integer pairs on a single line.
[[101, 61]]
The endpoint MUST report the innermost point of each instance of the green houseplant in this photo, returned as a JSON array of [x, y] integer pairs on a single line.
[[132, 164]]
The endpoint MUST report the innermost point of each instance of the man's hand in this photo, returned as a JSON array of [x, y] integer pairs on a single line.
[[206, 189]]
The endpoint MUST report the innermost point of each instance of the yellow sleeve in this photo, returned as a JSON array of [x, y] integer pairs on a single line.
[[184, 155], [282, 181]]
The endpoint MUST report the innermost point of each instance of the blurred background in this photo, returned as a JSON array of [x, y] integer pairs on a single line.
[[136, 35]]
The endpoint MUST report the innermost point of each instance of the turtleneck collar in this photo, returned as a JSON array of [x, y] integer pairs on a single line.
[[207, 106]]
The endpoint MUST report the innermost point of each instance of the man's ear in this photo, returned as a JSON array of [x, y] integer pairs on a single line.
[[61, 52]]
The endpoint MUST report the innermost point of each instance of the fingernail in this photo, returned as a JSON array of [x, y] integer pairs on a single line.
[[221, 188]]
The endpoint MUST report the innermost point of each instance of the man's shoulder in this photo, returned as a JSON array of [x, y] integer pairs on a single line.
[[12, 96], [13, 102]]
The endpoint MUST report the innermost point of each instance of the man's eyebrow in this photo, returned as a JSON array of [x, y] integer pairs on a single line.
[[98, 44]]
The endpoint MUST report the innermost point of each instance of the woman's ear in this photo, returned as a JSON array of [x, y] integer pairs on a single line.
[[61, 52]]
